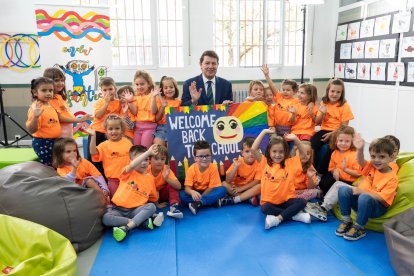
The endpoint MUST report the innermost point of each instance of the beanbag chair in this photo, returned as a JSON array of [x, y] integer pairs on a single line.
[[403, 200], [399, 235], [28, 248], [35, 192]]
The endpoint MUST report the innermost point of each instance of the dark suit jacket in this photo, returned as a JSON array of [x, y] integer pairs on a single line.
[[223, 91]]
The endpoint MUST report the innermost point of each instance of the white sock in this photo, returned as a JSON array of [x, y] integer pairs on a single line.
[[237, 199]]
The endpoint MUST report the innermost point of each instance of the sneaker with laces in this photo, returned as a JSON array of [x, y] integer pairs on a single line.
[[147, 224], [175, 212], [343, 228], [254, 200], [119, 233], [302, 217], [158, 219], [271, 221], [355, 233], [227, 200], [317, 211], [194, 206]]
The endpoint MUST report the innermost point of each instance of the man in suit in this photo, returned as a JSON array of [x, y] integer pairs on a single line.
[[207, 88]]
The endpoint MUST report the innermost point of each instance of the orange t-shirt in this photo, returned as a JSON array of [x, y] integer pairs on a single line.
[[282, 116], [278, 185], [114, 107], [48, 125], [247, 173], [383, 184], [114, 156], [351, 163], [159, 179], [302, 180], [271, 115], [61, 106], [84, 170], [143, 103], [201, 181], [335, 116], [303, 123], [135, 189], [170, 103]]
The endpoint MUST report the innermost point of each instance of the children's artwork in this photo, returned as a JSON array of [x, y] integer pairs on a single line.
[[396, 71], [345, 52], [358, 49], [382, 25], [341, 32], [350, 71], [401, 22], [378, 71], [371, 49], [387, 48], [407, 47], [223, 126], [353, 30], [339, 70], [364, 70], [367, 28], [410, 72]]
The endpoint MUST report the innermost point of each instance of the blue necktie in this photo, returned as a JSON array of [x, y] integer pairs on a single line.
[[210, 99]]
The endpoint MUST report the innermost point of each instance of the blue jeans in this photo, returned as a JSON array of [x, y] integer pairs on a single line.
[[365, 205], [286, 209], [208, 199]]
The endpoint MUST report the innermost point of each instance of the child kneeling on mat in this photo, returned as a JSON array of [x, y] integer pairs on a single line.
[[133, 201]]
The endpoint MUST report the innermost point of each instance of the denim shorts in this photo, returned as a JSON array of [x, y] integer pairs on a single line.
[[161, 132]]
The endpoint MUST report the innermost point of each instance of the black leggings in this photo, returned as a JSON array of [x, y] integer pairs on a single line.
[[321, 163], [286, 209]]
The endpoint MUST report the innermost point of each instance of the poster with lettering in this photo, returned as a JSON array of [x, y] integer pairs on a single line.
[[76, 40], [223, 126]]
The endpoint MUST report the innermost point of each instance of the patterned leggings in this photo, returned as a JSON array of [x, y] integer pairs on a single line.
[[43, 147]]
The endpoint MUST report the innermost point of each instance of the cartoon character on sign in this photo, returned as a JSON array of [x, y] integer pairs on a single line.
[[100, 72], [77, 69], [228, 130]]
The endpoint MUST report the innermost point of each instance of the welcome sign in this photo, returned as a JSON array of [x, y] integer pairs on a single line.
[[223, 126]]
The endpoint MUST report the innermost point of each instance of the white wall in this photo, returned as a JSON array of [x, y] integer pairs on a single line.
[[18, 16]]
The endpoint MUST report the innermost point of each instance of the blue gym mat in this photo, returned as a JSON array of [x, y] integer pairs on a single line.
[[232, 241]]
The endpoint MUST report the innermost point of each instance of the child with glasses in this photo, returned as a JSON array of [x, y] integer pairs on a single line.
[[203, 186]]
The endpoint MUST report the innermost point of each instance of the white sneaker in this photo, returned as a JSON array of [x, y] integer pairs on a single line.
[[159, 219], [271, 221], [302, 217]]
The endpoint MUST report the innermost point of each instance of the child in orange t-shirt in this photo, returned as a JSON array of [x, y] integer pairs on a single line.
[[167, 98], [66, 117], [146, 104], [256, 91], [268, 100], [126, 97], [69, 164], [113, 153], [243, 177], [375, 192], [333, 112], [278, 197], [202, 182], [133, 202], [42, 120], [166, 182]]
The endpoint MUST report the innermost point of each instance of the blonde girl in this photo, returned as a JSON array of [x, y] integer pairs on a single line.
[[256, 91]]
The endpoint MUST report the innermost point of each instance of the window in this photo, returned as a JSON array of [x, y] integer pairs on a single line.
[[248, 32]]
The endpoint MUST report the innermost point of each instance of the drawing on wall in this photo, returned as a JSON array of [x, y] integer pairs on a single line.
[[345, 52], [407, 47], [401, 22], [378, 71], [382, 25], [371, 49], [410, 72], [340, 70], [387, 48], [396, 71], [358, 49], [367, 28], [341, 32], [353, 30], [364, 70], [350, 71]]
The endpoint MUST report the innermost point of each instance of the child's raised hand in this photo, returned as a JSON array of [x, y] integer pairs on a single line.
[[75, 162], [290, 137], [156, 92], [86, 117], [128, 96], [323, 108], [166, 172], [265, 69], [153, 150], [358, 141], [291, 109], [37, 109], [311, 172], [269, 130], [90, 131], [343, 164], [236, 162], [107, 97], [335, 174]]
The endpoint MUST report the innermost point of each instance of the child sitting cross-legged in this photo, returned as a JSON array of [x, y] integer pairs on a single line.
[[133, 201]]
